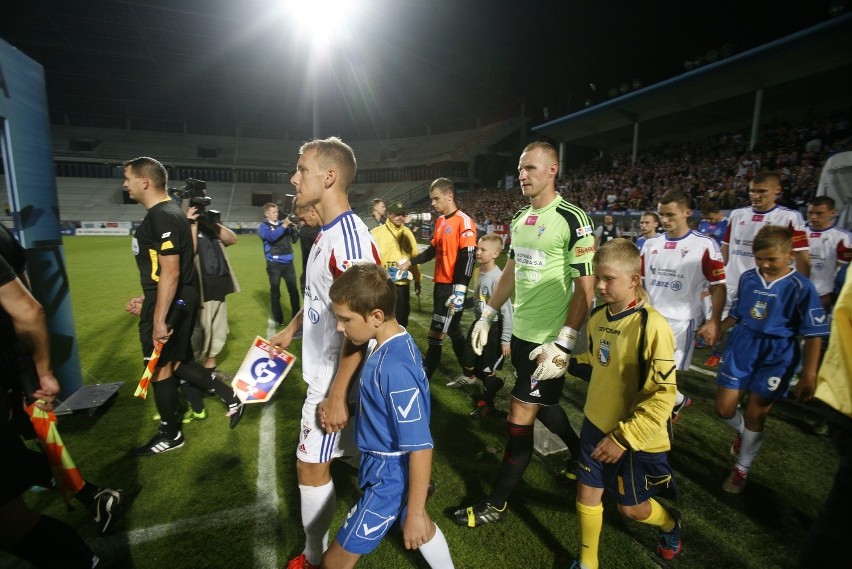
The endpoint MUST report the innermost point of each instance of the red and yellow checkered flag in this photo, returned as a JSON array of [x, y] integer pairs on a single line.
[[66, 474]]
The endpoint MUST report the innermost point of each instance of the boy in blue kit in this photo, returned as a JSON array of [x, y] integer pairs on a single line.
[[775, 305], [392, 426], [625, 438]]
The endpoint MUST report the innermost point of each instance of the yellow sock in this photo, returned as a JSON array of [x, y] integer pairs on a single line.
[[659, 517], [591, 522]]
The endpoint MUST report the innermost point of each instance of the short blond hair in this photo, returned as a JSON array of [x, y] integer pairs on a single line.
[[493, 238], [622, 254], [333, 153]]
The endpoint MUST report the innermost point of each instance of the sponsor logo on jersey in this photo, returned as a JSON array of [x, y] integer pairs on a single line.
[[531, 220], [676, 285], [758, 311], [535, 393], [541, 231], [406, 405], [757, 217], [671, 245], [818, 317], [448, 230], [532, 276], [580, 251], [585, 230], [604, 353], [313, 315], [718, 272], [166, 235]]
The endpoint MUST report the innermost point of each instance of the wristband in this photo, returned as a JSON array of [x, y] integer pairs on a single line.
[[567, 338], [489, 314]]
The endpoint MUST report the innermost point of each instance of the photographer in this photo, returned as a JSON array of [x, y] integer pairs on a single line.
[[278, 237], [217, 280]]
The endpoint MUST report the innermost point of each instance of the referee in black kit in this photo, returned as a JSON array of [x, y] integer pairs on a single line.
[[164, 254]]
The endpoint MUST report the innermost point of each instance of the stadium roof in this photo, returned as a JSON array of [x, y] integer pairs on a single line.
[[441, 63], [806, 72]]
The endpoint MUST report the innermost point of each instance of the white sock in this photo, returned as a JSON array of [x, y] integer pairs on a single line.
[[737, 422], [436, 552], [318, 506], [679, 398], [748, 450]]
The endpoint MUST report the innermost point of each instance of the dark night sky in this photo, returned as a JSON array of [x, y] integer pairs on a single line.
[[409, 64]]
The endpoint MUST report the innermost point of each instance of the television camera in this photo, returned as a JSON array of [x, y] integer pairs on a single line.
[[196, 192]]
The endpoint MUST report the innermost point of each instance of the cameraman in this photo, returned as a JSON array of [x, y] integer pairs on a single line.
[[278, 238], [217, 280]]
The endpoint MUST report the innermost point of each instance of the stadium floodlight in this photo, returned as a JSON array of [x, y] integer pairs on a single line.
[[322, 25]]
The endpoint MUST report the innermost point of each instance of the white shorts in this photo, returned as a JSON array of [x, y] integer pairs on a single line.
[[315, 445], [731, 291], [684, 337]]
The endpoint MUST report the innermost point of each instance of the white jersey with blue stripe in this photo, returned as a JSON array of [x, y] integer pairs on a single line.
[[341, 243], [788, 306], [395, 403]]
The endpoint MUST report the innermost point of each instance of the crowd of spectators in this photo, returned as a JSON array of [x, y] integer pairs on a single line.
[[718, 168]]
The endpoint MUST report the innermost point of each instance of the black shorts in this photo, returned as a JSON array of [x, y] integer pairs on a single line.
[[439, 323], [491, 360], [179, 346], [527, 389]]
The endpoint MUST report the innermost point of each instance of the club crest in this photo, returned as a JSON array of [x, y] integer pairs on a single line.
[[758, 311], [604, 353]]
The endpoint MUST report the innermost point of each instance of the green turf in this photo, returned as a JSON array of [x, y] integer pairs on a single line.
[[208, 492]]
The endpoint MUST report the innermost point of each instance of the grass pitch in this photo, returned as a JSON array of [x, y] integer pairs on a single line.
[[230, 499]]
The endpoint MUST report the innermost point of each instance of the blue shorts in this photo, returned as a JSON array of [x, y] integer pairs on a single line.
[[632, 480], [384, 480], [756, 363]]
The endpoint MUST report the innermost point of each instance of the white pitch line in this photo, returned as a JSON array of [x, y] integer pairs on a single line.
[[262, 511], [702, 371], [265, 553]]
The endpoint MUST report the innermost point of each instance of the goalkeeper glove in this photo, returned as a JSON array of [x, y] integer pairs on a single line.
[[479, 336], [555, 355], [456, 301]]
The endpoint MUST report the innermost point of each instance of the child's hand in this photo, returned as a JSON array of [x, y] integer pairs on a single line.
[[806, 387], [415, 530], [506, 349], [607, 451]]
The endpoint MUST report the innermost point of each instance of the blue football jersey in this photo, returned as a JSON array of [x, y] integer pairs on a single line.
[[786, 307], [714, 229], [395, 403]]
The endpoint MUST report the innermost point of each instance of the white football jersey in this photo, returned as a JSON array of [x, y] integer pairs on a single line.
[[341, 243], [743, 225], [677, 271], [829, 249]]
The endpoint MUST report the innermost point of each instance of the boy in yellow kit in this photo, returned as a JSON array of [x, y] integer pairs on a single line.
[[625, 438]]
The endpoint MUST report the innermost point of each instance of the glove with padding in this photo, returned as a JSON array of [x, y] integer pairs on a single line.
[[479, 336], [553, 362], [456, 301]]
